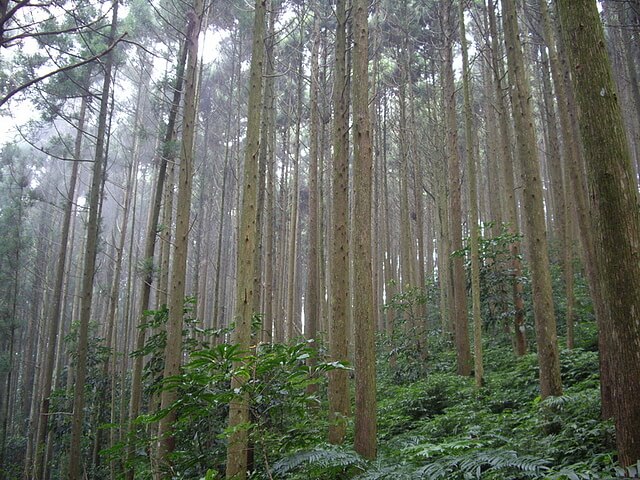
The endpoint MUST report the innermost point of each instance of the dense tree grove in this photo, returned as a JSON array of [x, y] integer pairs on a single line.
[[333, 239]]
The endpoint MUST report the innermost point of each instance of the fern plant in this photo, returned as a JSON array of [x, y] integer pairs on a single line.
[[324, 461], [485, 464]]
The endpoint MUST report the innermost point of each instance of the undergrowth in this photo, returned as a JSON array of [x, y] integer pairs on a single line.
[[442, 427]]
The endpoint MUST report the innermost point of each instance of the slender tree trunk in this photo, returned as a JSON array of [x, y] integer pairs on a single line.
[[247, 232], [340, 297], [390, 278], [114, 293], [149, 248], [267, 162], [162, 297], [7, 411], [292, 249], [75, 453], [364, 320], [546, 336], [218, 279], [56, 301], [312, 310], [173, 349], [406, 243], [571, 159], [474, 236], [520, 342], [459, 304]]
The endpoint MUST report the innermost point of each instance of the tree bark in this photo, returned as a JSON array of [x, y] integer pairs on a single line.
[[149, 248], [459, 303], [474, 236], [91, 249], [339, 297], [56, 299], [510, 203], [247, 235], [173, 348], [614, 204], [545, 322], [312, 296], [363, 318]]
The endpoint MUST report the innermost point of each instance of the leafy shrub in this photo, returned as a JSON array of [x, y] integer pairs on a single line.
[[402, 406], [579, 365]]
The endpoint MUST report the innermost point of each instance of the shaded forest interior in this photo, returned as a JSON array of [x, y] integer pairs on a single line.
[[330, 239]]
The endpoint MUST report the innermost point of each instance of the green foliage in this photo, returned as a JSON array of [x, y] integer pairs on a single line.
[[442, 427], [490, 464], [324, 461], [278, 381], [407, 346], [496, 276], [401, 406], [439, 426]]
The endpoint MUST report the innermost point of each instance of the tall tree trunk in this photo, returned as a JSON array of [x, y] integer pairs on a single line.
[[459, 304], [339, 297], [173, 349], [406, 239], [614, 202], [546, 336], [7, 411], [510, 203], [167, 156], [55, 313], [218, 279], [247, 233], [108, 369], [363, 318], [292, 249], [570, 156], [312, 296], [474, 236], [267, 162], [94, 201]]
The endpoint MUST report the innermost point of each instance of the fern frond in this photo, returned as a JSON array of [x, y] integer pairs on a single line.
[[319, 458], [442, 468], [394, 472], [500, 459], [474, 464], [558, 403]]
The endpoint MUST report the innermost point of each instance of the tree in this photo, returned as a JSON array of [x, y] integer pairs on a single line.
[[247, 234], [545, 321], [173, 349], [507, 180], [54, 313], [459, 300], [22, 20], [12, 253], [614, 203], [474, 236], [312, 295], [339, 295], [167, 155], [91, 248], [363, 318]]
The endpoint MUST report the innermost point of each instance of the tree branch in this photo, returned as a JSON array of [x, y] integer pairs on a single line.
[[16, 90]]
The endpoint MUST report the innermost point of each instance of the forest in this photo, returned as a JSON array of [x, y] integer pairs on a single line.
[[319, 239]]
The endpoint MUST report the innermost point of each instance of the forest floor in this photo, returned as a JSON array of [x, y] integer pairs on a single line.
[[433, 424]]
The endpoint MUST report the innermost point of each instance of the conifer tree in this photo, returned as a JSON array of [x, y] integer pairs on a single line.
[[614, 203]]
